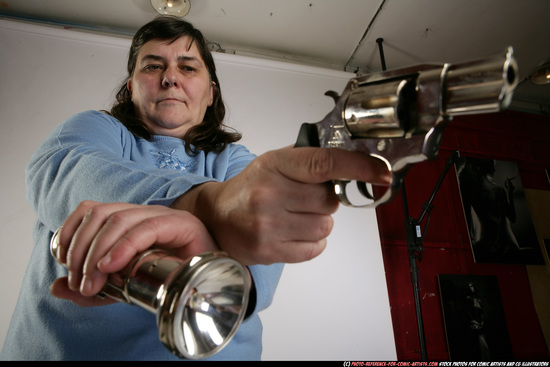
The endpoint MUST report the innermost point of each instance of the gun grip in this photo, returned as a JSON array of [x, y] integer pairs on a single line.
[[308, 136]]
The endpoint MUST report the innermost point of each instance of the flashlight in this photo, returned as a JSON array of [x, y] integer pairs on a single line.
[[199, 302]]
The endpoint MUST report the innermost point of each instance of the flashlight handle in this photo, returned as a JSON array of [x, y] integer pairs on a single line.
[[121, 285]]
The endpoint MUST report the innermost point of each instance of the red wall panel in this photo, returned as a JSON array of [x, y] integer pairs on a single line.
[[510, 136]]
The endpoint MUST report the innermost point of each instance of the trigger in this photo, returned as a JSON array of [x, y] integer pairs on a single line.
[[364, 190], [333, 94]]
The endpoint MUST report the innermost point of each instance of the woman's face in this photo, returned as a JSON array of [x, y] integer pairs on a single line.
[[170, 86]]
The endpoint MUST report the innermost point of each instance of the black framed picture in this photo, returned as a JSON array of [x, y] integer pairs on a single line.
[[497, 215], [475, 323]]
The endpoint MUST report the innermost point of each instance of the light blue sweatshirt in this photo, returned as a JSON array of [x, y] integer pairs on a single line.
[[92, 156]]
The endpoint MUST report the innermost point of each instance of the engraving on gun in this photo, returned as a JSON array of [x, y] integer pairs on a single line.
[[398, 116]]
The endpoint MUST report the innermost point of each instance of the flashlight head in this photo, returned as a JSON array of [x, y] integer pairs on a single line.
[[203, 306]]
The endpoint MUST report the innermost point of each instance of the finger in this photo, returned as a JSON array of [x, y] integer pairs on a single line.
[[300, 251], [179, 231], [185, 235], [310, 198], [60, 289], [83, 237], [110, 230], [309, 228], [292, 227], [69, 227], [284, 238], [305, 238], [79, 245], [282, 252], [316, 165]]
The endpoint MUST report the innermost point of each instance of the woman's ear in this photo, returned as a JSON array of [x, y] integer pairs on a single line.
[[212, 87]]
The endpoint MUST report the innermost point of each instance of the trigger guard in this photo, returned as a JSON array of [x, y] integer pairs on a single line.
[[340, 190], [391, 191]]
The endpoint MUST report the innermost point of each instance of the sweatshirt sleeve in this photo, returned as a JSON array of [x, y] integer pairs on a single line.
[[266, 278], [87, 158]]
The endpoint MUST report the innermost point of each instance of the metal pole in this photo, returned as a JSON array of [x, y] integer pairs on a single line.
[[413, 245]]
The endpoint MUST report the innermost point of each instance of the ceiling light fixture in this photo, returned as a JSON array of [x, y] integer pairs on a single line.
[[179, 8], [542, 75]]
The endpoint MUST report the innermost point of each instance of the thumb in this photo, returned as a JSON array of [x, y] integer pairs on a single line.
[[318, 165], [60, 289]]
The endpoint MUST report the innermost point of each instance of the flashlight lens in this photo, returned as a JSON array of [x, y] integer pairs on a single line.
[[211, 307]]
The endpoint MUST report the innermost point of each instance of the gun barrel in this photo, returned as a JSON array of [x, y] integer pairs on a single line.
[[480, 87]]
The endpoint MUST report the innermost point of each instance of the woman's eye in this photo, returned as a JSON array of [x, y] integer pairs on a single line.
[[152, 67], [187, 69]]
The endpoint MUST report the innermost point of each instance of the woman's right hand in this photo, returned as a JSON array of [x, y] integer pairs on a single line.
[[279, 208]]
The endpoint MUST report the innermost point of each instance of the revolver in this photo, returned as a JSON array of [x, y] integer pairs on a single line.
[[398, 116]]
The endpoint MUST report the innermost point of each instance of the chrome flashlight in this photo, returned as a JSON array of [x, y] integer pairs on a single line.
[[199, 302]]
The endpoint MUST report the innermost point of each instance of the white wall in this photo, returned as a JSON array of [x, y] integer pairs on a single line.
[[333, 307]]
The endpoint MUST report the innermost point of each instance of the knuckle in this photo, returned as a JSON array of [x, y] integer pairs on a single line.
[[313, 250], [258, 198], [321, 163], [154, 224], [262, 162], [86, 204], [126, 243], [316, 249], [94, 212], [73, 265], [116, 218], [326, 226]]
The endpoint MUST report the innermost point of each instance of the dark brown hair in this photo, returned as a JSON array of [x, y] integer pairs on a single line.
[[211, 134]]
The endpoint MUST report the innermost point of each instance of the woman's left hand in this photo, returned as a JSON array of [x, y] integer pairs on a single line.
[[98, 239]]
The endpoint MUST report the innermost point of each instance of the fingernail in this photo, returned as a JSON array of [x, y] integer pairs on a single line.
[[73, 281], [105, 261], [86, 286]]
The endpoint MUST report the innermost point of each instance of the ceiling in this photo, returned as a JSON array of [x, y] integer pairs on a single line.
[[338, 34]]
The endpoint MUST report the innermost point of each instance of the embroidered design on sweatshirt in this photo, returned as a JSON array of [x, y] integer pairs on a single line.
[[168, 160]]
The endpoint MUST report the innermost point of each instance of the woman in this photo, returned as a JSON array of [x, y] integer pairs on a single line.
[[161, 169]]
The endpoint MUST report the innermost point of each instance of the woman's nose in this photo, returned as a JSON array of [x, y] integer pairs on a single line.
[[167, 82], [170, 78]]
